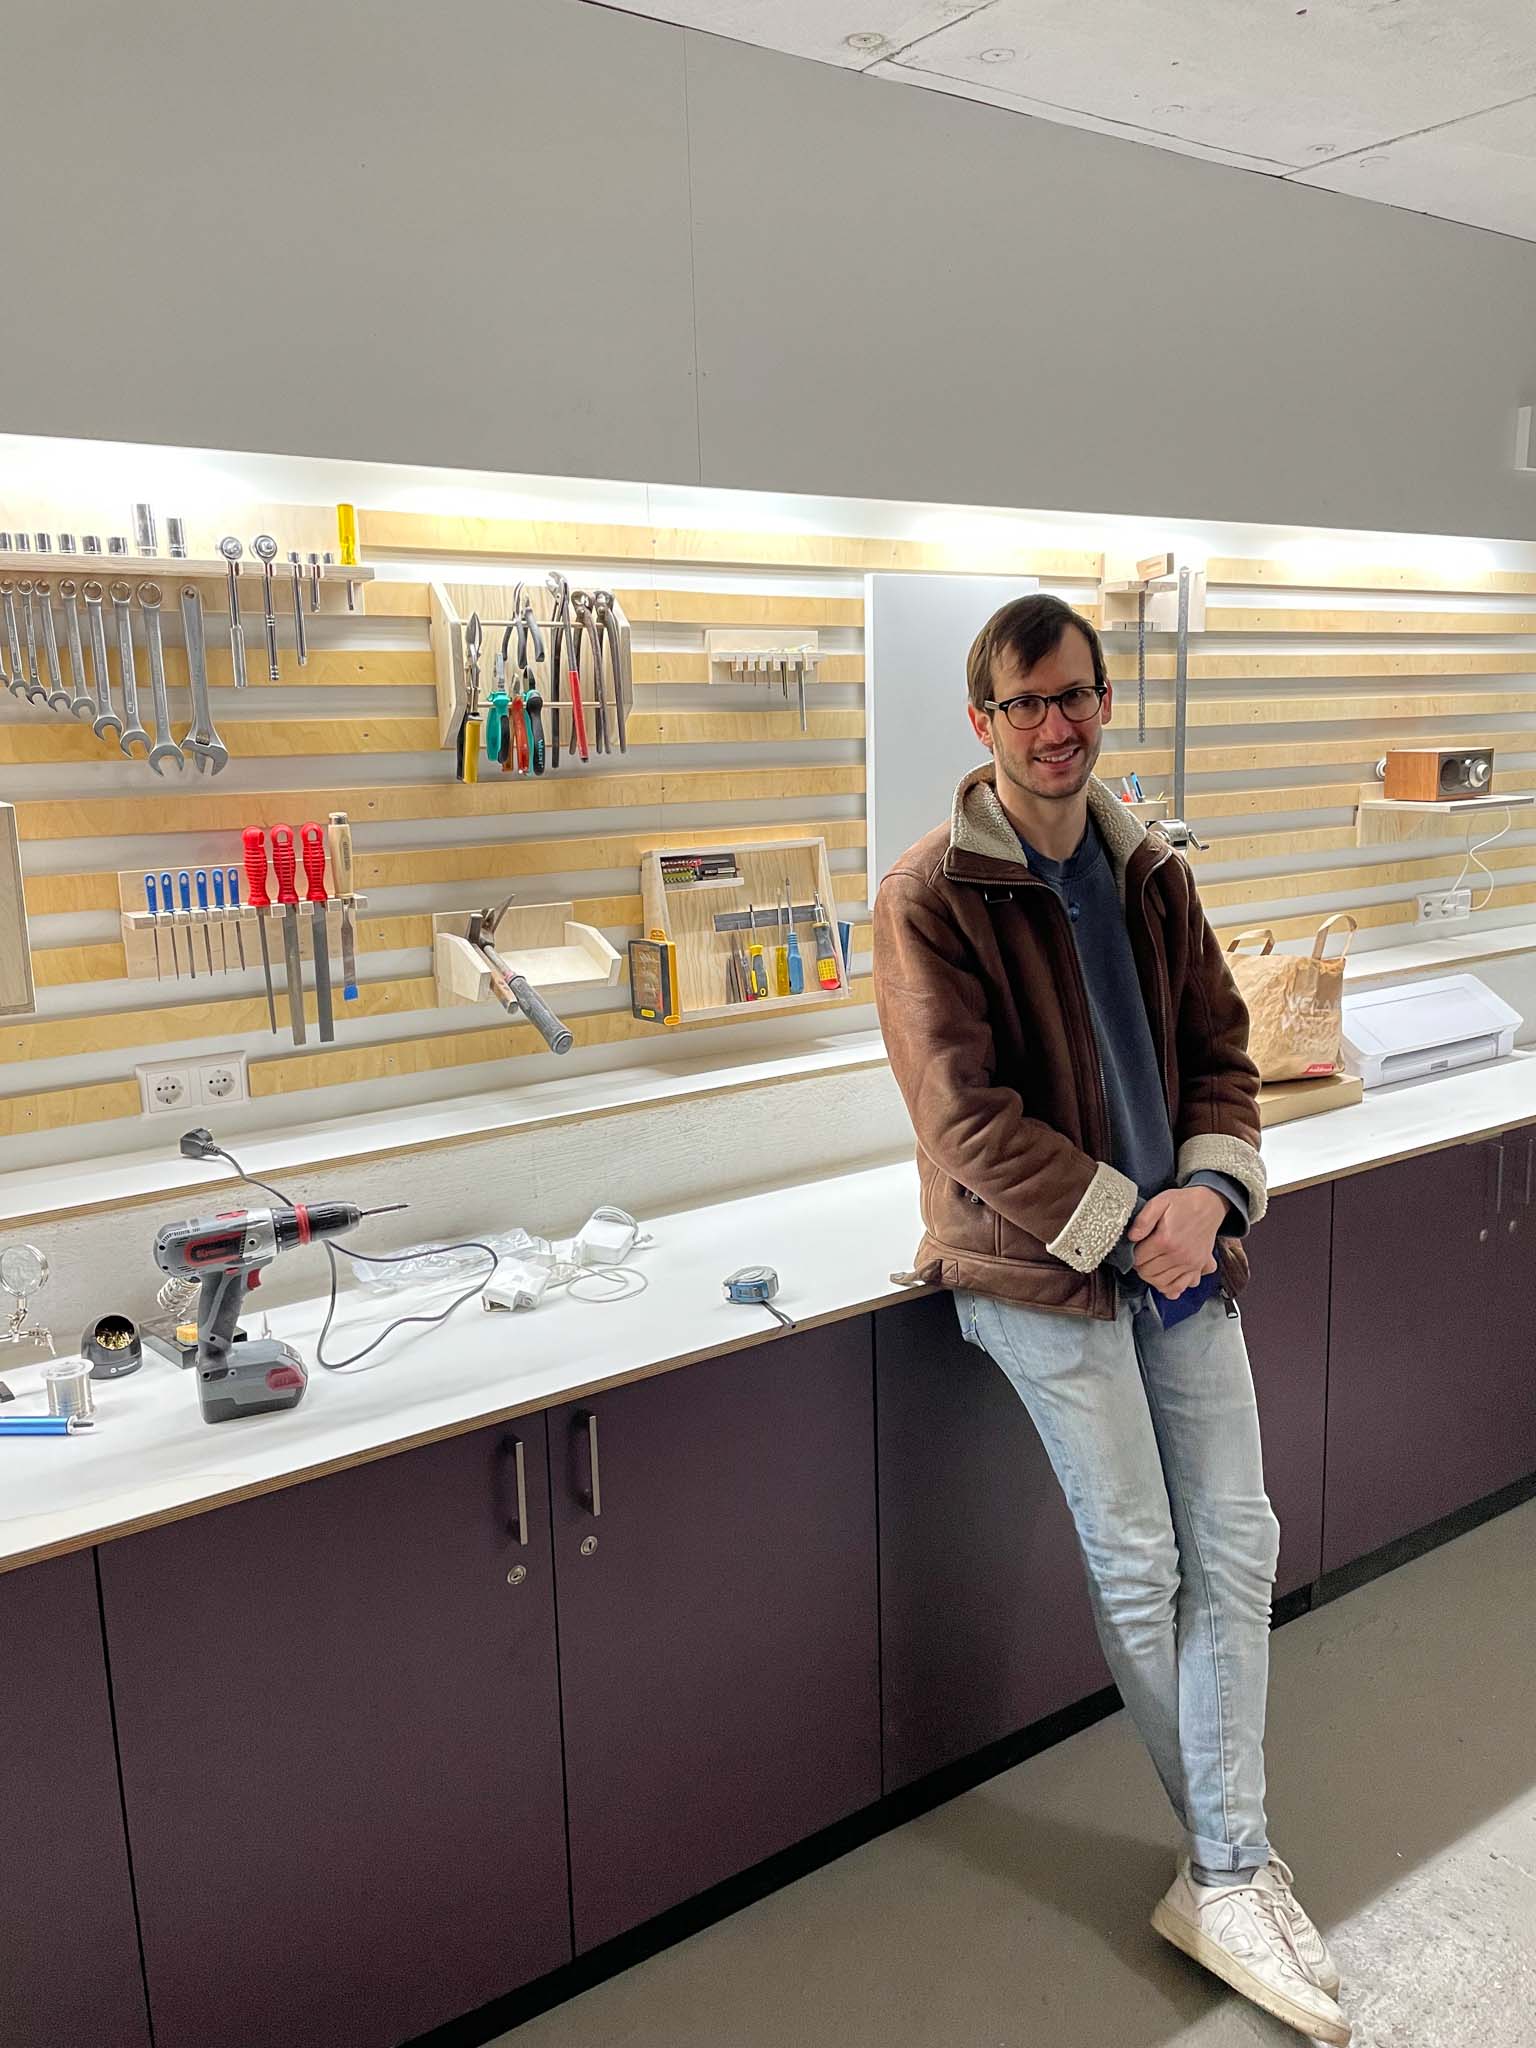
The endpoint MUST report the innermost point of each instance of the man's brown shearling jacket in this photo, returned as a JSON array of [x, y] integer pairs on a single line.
[[986, 1022]]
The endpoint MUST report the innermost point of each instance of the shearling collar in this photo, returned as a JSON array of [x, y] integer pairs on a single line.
[[979, 826]]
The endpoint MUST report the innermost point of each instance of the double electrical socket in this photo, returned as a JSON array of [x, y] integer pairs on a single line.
[[1445, 906], [187, 1083]]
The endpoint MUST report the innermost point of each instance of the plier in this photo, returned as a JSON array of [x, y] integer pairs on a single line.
[[610, 617], [565, 663], [529, 700], [587, 622]]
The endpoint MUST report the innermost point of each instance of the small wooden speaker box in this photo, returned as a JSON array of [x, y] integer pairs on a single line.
[[1433, 775]]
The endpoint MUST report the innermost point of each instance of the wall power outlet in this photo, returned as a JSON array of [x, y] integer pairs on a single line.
[[1445, 906], [187, 1084]]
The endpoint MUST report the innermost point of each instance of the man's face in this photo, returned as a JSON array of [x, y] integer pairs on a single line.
[[1056, 758]]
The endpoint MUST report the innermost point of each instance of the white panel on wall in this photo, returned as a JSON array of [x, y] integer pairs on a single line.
[[918, 741]]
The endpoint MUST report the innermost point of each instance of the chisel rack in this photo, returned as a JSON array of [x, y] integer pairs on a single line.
[[180, 930], [540, 941], [714, 903]]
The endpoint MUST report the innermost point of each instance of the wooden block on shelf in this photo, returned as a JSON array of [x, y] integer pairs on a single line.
[[1283, 1102]]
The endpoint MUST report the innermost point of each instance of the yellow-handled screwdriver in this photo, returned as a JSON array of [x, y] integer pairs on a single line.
[[781, 951], [757, 965]]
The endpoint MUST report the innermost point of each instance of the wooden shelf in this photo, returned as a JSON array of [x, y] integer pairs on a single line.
[[1452, 803], [173, 568]]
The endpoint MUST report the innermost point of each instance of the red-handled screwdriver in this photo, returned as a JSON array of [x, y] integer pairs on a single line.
[[312, 840], [255, 843], [288, 897]]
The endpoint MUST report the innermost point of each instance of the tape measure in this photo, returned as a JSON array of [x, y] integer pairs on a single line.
[[755, 1287]]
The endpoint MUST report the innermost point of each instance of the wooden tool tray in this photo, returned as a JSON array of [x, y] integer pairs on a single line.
[[687, 914]]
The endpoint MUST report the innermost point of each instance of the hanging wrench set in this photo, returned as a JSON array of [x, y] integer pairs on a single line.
[[575, 666], [43, 590]]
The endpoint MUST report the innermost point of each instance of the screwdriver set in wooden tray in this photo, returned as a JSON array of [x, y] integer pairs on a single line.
[[746, 927]]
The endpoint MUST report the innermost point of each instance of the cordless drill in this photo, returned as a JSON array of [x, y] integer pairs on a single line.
[[227, 1253]]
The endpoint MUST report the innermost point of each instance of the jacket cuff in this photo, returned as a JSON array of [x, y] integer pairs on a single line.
[[1232, 1192], [1098, 1222], [1235, 1157]]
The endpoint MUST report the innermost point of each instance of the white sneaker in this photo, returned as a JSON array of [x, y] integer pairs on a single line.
[[1242, 1933], [1311, 1949]]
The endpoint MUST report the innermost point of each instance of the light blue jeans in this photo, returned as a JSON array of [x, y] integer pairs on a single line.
[[1154, 1436]]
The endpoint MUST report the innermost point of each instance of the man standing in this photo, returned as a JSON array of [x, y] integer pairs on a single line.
[[1072, 1052]]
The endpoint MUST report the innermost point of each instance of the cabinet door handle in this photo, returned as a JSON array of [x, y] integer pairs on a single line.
[[522, 1492], [1530, 1165], [594, 1495], [1498, 1191]]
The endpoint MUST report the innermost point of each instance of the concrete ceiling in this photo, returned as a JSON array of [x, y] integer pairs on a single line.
[[1426, 104]]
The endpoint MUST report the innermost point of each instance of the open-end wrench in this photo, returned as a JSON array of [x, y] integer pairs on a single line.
[[264, 548], [165, 748], [121, 593], [16, 681], [82, 704], [58, 696], [106, 719], [36, 694], [296, 563], [231, 550], [208, 751], [314, 582]]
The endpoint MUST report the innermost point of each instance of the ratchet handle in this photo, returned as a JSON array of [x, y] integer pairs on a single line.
[[543, 1019], [254, 841], [312, 839], [283, 863]]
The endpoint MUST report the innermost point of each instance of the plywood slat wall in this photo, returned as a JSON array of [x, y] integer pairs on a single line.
[[395, 780]]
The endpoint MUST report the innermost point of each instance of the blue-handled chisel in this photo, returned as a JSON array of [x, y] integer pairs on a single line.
[[202, 905]]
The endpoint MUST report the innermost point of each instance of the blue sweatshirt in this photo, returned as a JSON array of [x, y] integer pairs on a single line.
[[1141, 1138]]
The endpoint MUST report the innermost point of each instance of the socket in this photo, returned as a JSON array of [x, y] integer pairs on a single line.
[[185, 1084], [1445, 906], [223, 1081], [165, 1088]]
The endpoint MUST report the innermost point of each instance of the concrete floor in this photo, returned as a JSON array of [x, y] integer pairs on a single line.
[[1402, 1781]]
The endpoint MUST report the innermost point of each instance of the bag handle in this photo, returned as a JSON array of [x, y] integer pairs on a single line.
[[1257, 932], [1321, 941]]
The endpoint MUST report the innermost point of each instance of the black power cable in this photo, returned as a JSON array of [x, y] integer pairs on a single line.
[[199, 1144]]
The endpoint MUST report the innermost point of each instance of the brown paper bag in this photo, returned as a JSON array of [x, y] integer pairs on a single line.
[[1295, 1004]]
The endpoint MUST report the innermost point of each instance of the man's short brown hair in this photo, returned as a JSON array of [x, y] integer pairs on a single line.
[[1028, 628]]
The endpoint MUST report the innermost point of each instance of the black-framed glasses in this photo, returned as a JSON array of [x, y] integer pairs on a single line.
[[1024, 713]]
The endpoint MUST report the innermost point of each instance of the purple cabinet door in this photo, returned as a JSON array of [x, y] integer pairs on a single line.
[[719, 1659], [1512, 1310], [985, 1621], [1412, 1426], [1285, 1323], [69, 1952], [339, 1731]]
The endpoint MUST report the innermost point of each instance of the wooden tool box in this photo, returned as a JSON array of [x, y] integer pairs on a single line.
[[688, 912]]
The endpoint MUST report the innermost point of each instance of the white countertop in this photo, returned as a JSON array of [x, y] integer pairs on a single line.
[[835, 1242]]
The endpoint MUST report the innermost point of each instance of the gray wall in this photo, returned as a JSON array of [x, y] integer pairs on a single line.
[[332, 230]]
